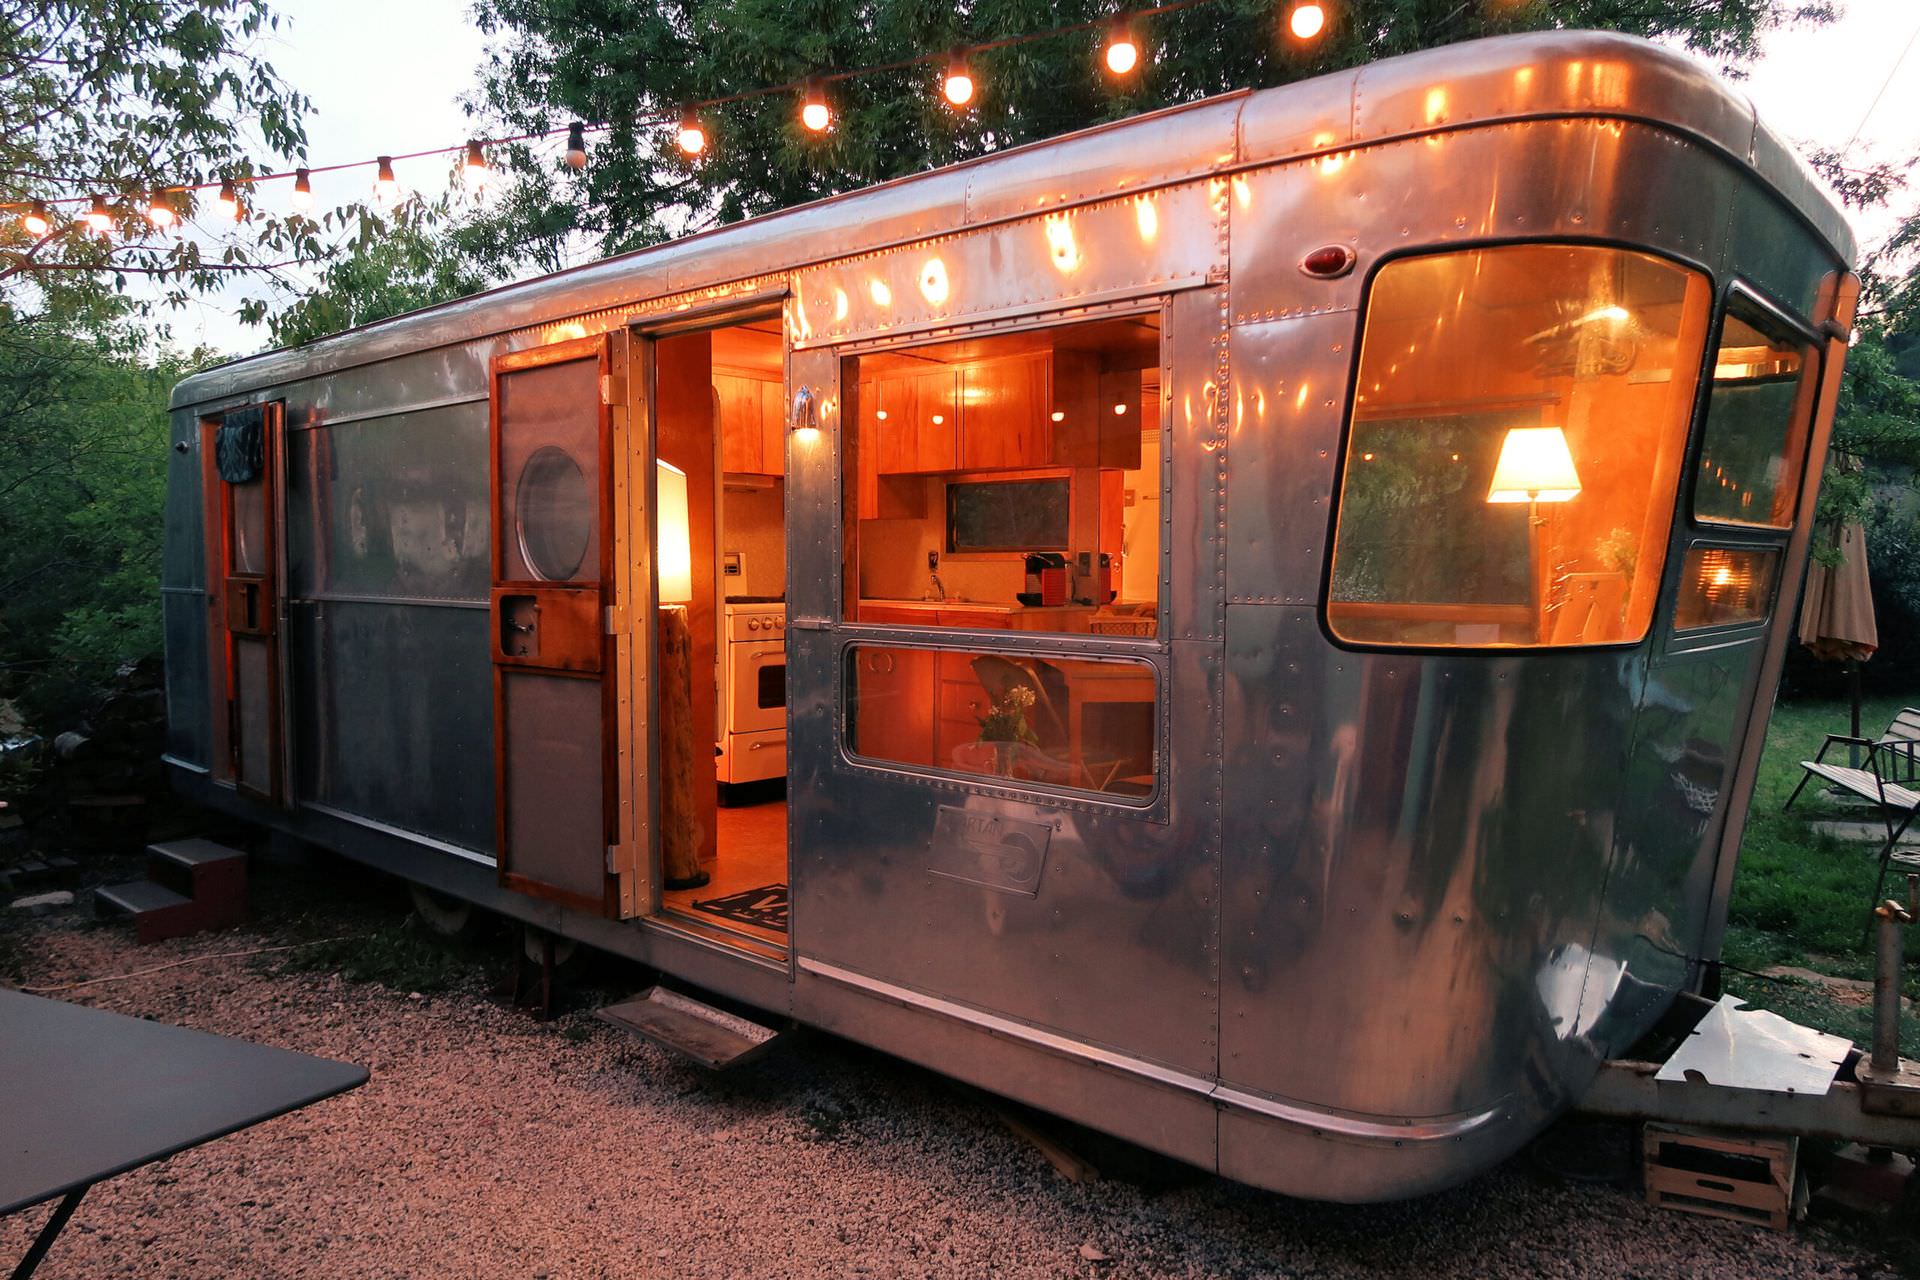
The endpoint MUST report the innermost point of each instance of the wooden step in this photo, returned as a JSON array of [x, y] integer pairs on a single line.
[[157, 912], [213, 875], [712, 1037]]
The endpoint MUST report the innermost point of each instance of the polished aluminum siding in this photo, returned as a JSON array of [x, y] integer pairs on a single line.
[[1383, 912]]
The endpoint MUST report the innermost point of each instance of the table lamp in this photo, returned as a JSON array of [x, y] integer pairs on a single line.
[[1535, 466], [673, 541]]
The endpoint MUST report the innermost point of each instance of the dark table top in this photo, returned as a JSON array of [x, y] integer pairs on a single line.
[[86, 1094]]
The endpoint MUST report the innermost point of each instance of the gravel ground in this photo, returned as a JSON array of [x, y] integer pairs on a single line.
[[488, 1144]]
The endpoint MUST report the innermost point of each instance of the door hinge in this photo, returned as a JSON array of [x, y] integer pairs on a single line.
[[616, 618], [613, 859], [613, 389]]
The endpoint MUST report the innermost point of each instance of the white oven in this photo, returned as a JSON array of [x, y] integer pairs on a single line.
[[754, 745]]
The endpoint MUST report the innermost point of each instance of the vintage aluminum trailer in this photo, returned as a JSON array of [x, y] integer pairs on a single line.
[[1485, 393]]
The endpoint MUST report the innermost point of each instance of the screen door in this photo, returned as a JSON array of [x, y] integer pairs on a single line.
[[553, 656], [241, 450]]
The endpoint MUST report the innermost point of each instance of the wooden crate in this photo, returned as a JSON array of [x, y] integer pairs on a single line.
[[1744, 1178]]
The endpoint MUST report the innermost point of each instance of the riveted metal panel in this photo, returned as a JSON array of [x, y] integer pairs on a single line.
[[1289, 399], [871, 895], [184, 535], [1316, 115], [1118, 248], [1198, 391], [1434, 829], [1775, 253], [813, 486], [394, 506], [1548, 73], [1103, 162], [392, 715], [1562, 178]]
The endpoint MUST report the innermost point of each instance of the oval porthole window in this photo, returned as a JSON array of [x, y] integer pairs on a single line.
[[553, 514]]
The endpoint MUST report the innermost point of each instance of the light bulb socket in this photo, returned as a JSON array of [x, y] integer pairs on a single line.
[[36, 219], [229, 199], [476, 158], [99, 216], [1122, 46], [302, 189], [577, 145]]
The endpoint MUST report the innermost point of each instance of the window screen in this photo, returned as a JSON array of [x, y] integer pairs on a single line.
[[1519, 419]]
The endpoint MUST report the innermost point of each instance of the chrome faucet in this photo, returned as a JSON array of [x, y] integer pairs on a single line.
[[936, 589]]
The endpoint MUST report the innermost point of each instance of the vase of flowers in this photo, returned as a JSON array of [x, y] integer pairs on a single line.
[[1006, 728]]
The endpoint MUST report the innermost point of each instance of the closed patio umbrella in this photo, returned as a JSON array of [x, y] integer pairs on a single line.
[[1836, 615]]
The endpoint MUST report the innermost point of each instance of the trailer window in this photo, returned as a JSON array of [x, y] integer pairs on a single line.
[[1008, 481], [1725, 586], [1514, 451], [1758, 415], [1081, 724]]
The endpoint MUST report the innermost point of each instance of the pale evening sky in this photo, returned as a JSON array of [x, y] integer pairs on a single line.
[[385, 77]]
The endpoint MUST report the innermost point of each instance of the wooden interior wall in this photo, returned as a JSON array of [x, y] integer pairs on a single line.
[[684, 427]]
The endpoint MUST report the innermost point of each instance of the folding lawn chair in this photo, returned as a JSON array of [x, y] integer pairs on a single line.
[[1887, 782]]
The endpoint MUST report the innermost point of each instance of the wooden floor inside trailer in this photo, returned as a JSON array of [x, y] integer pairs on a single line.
[[747, 889]]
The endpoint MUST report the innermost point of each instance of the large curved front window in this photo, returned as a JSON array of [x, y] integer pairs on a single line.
[[1518, 426]]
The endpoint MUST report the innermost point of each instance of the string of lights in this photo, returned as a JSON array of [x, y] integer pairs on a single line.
[[1121, 53]]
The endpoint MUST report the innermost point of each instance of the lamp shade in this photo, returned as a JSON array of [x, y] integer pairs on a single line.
[[673, 542], [1535, 466]]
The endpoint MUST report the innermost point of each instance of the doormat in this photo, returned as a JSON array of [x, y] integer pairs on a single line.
[[765, 907]]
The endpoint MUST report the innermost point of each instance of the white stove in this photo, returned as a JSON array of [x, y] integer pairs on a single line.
[[754, 692]]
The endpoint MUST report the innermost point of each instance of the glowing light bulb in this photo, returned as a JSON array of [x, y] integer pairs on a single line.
[[228, 201], [474, 167], [1123, 51], [99, 217], [576, 145], [813, 108], [159, 212], [36, 220], [386, 187], [302, 197], [958, 84], [692, 134], [1307, 20]]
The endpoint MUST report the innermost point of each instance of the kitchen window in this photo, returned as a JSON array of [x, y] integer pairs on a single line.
[[1008, 482]]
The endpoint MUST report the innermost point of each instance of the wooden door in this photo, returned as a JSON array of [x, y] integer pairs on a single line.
[[241, 454], [553, 692]]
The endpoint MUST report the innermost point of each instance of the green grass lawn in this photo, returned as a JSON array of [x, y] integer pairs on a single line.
[[1803, 899]]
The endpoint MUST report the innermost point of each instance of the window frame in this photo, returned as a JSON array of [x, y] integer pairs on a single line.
[[1154, 651], [1659, 620], [1742, 291]]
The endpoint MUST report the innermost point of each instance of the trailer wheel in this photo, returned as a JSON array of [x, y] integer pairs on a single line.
[[446, 916]]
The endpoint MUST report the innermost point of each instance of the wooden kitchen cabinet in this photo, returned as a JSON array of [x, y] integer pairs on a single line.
[[1090, 433], [918, 423], [751, 413], [877, 496], [1006, 413]]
